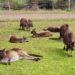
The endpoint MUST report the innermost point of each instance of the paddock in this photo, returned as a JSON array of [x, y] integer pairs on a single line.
[[55, 60]]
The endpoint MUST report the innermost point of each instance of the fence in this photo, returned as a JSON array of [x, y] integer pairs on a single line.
[[47, 4]]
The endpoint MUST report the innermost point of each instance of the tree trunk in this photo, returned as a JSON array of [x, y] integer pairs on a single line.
[[8, 4]]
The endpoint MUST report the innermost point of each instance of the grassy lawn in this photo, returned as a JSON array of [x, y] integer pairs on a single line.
[[55, 60]]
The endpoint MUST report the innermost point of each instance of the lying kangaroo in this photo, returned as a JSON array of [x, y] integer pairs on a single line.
[[40, 34], [17, 54], [14, 39]]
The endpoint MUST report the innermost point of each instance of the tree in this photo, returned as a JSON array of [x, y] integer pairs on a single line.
[[8, 3], [45, 4], [61, 4]]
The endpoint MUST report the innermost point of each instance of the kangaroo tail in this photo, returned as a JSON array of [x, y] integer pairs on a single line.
[[35, 55]]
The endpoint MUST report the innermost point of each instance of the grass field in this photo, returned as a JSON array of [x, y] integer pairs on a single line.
[[55, 60]]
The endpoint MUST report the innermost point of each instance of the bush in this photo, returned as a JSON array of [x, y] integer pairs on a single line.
[[14, 4], [45, 4], [18, 4]]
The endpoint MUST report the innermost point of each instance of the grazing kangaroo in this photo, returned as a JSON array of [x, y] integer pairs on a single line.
[[25, 24], [17, 54], [63, 29], [68, 38], [30, 24]]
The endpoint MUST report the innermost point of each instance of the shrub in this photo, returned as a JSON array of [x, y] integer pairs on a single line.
[[45, 4]]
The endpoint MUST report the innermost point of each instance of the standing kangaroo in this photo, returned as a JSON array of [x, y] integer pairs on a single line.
[[17, 54]]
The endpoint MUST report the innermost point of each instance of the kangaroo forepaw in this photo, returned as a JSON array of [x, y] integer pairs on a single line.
[[37, 59]]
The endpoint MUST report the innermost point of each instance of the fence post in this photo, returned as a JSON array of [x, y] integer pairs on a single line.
[[8, 4], [69, 3]]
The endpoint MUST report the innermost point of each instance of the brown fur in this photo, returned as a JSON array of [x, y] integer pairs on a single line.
[[41, 34], [14, 39], [24, 23], [68, 38], [53, 29], [17, 54], [64, 28], [30, 23]]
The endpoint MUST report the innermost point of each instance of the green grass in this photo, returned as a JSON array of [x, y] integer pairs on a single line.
[[55, 60]]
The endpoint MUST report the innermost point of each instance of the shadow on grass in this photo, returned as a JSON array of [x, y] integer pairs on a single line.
[[56, 39], [62, 52], [22, 30]]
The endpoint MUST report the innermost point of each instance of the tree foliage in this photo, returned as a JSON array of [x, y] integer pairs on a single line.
[[15, 4], [45, 4]]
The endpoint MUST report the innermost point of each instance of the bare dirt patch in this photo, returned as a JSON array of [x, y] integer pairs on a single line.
[[37, 16]]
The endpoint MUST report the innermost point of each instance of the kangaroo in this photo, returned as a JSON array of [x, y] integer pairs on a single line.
[[40, 34], [15, 54], [25, 24], [14, 39], [2, 53]]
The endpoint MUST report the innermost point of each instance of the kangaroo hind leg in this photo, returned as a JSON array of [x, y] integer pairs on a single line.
[[31, 58]]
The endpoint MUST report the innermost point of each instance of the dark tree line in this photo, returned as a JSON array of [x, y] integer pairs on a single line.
[[43, 4]]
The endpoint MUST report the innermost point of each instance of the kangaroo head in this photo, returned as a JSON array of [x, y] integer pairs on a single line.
[[72, 46], [2, 53], [33, 31]]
